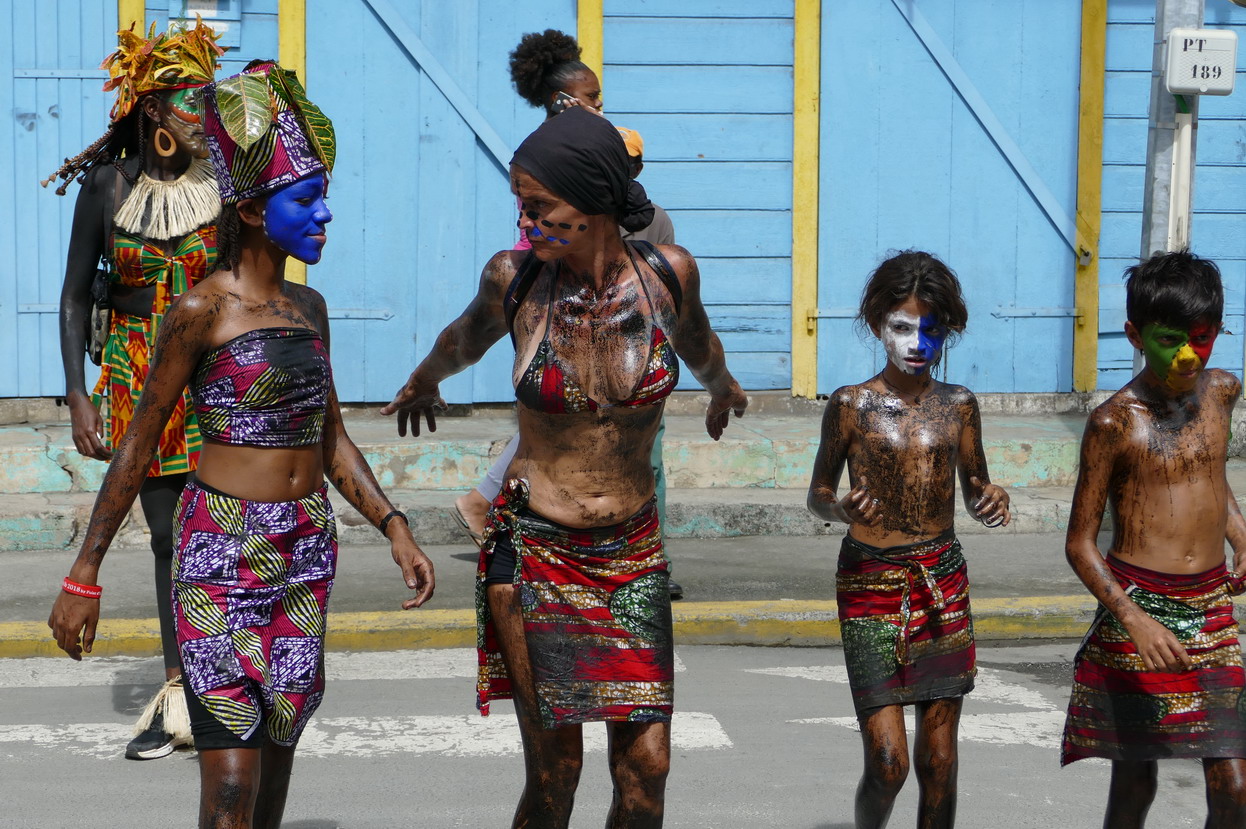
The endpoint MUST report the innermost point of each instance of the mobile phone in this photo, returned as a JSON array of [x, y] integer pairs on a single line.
[[561, 101]]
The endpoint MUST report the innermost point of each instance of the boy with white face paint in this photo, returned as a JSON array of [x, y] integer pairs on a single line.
[[902, 585]]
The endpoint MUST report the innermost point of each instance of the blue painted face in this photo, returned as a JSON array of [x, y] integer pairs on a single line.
[[295, 218], [930, 337], [912, 342]]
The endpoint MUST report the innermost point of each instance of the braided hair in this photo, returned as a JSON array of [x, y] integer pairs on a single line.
[[542, 64], [124, 137], [228, 238]]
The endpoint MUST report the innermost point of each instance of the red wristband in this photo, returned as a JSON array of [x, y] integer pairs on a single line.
[[90, 591]]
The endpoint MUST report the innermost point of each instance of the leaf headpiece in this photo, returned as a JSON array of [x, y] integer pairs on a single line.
[[182, 57], [263, 132]]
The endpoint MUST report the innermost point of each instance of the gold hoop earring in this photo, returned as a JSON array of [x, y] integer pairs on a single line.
[[162, 135]]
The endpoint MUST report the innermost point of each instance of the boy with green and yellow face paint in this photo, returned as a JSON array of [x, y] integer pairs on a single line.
[[1160, 673]]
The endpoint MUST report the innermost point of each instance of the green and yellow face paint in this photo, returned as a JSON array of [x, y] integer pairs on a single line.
[[1177, 355]]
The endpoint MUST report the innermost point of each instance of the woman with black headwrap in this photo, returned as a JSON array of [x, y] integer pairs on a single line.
[[572, 599]]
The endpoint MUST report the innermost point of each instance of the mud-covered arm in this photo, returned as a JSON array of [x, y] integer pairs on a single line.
[[698, 346], [460, 344], [181, 342], [1235, 525], [86, 246], [984, 500], [828, 463], [1105, 435]]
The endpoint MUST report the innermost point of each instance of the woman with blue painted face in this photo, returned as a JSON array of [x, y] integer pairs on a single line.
[[256, 538], [573, 604]]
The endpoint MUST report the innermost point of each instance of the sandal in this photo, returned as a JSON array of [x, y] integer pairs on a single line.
[[476, 537]]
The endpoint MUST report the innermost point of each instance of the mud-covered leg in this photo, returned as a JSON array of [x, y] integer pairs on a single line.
[[229, 781], [1130, 794], [886, 765], [552, 758], [275, 765], [640, 759], [936, 763], [1226, 792]]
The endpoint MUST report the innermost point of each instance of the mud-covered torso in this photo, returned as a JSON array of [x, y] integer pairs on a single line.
[[1167, 489], [908, 453], [593, 367]]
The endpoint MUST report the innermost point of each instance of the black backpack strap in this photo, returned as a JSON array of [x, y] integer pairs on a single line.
[[663, 269], [528, 271]]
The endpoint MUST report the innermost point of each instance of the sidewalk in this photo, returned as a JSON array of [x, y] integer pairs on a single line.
[[757, 568]]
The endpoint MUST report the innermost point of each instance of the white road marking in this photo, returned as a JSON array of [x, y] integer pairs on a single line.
[[53, 672], [990, 685], [464, 735], [1041, 729]]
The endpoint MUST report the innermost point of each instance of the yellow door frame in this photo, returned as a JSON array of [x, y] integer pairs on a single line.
[[1089, 195], [292, 54], [806, 138]]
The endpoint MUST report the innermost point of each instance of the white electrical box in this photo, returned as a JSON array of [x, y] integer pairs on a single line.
[[1201, 61]]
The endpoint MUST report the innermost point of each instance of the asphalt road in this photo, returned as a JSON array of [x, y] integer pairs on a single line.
[[763, 737]]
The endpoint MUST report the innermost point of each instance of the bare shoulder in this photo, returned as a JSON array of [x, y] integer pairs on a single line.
[[1113, 416], [958, 396], [1224, 385], [682, 262]]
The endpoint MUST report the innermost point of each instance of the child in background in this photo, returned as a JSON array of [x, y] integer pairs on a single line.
[[902, 586], [1160, 673]]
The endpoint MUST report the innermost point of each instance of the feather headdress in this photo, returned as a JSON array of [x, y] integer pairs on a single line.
[[176, 59]]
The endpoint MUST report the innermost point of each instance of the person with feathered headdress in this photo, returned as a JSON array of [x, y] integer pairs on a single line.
[[147, 209]]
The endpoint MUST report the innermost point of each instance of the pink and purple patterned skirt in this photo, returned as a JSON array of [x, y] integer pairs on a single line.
[[251, 584]]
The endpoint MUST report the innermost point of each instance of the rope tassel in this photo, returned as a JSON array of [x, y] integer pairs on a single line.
[[169, 701]]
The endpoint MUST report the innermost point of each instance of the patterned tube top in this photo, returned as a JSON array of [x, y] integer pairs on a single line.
[[267, 387]]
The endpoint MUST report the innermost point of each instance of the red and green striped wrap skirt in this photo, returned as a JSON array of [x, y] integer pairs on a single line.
[[904, 618], [1121, 711], [596, 613], [251, 583]]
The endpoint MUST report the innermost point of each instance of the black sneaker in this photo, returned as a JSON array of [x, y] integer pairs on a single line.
[[677, 592], [152, 743]]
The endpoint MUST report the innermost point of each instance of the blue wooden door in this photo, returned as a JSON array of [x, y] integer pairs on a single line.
[[708, 84], [420, 200], [906, 163], [53, 108]]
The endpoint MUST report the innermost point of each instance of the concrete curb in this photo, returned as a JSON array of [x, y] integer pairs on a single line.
[[791, 623]]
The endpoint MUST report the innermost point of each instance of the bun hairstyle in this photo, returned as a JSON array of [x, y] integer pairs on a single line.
[[914, 273], [542, 64]]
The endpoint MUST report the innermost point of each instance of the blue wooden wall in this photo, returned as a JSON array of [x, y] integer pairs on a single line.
[[419, 203], [905, 164], [49, 94], [708, 83], [1219, 181]]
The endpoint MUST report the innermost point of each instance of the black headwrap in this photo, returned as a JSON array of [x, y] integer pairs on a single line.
[[582, 158]]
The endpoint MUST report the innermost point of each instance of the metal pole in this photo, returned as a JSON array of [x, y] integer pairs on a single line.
[[1171, 138]]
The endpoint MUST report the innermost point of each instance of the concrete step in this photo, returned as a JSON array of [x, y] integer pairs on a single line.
[[768, 451], [54, 521]]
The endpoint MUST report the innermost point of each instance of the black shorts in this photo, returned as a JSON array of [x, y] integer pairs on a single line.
[[501, 561], [211, 733]]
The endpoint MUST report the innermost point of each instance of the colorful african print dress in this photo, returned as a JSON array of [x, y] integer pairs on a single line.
[[596, 615], [904, 618], [131, 339], [1121, 711]]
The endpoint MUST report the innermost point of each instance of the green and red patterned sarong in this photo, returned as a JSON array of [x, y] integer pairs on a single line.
[[596, 614], [1121, 711], [251, 584], [904, 619]]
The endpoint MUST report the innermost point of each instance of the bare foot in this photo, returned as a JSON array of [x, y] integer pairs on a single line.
[[472, 508]]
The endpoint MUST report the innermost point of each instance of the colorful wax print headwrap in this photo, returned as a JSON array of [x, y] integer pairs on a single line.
[[263, 132], [179, 58], [581, 157]]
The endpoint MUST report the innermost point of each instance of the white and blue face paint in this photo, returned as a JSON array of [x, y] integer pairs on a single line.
[[912, 343]]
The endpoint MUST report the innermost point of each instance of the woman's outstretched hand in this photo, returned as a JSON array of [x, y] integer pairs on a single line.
[[417, 570], [414, 400], [718, 415]]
